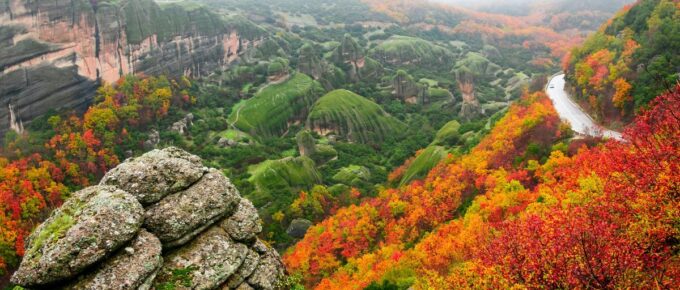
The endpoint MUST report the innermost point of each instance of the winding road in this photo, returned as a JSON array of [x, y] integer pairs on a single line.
[[568, 110]]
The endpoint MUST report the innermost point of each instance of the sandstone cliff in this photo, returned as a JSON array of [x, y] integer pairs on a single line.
[[160, 220], [54, 53]]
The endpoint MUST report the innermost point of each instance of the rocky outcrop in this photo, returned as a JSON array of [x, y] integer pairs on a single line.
[[195, 233], [152, 140], [92, 224], [298, 228], [470, 107], [311, 63], [53, 54], [175, 225], [134, 266], [156, 174], [352, 59], [412, 52], [244, 224], [306, 143], [182, 126], [354, 117], [406, 89]]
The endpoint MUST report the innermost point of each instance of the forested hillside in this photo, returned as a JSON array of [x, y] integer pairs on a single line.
[[631, 59], [384, 144], [522, 209]]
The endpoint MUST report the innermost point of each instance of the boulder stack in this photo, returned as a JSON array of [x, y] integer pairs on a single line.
[[158, 221]]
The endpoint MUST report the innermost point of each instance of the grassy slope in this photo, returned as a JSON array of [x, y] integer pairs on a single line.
[[278, 180], [410, 49], [353, 116], [268, 112], [478, 64], [448, 135], [425, 161]]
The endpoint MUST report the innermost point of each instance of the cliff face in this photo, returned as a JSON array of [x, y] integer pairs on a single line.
[[53, 54], [160, 220]]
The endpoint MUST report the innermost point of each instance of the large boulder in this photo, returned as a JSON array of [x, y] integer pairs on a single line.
[[91, 225], [132, 267], [197, 234], [269, 271], [152, 140], [156, 174], [180, 216], [244, 224], [205, 263], [298, 228], [247, 268]]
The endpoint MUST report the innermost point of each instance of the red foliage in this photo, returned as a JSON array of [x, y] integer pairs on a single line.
[[79, 152], [604, 218]]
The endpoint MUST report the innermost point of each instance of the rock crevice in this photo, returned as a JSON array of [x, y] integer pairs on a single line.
[[161, 221]]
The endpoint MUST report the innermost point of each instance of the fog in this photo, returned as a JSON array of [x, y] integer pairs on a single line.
[[520, 7], [475, 3], [487, 3]]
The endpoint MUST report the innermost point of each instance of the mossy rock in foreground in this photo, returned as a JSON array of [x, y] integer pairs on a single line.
[[74, 238]]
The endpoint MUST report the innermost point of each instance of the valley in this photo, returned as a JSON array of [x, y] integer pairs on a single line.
[[376, 144]]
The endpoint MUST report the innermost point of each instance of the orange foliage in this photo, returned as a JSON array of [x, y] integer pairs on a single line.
[[622, 93], [77, 154], [401, 216], [603, 218]]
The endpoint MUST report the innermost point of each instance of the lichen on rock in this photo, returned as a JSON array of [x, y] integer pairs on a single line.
[[247, 268], [269, 271], [92, 224], [205, 263], [128, 269], [156, 174], [182, 215], [195, 233], [244, 224]]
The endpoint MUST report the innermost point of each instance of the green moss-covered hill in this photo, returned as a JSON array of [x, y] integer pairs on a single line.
[[423, 163], [477, 64], [353, 117], [412, 51], [270, 110], [275, 180]]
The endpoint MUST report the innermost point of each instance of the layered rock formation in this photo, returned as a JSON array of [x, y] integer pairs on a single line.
[[53, 54], [310, 63], [407, 89], [470, 107], [352, 59], [161, 220]]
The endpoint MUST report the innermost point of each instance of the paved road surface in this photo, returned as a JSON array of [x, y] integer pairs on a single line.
[[568, 110]]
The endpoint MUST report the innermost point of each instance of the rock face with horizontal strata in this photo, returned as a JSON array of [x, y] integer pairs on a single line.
[[53, 54], [197, 234]]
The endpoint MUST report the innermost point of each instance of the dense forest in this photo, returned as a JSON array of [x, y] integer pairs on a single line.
[[387, 144], [628, 61]]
